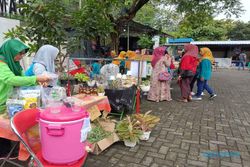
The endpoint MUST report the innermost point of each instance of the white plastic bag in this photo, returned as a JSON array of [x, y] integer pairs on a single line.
[[52, 76], [51, 95]]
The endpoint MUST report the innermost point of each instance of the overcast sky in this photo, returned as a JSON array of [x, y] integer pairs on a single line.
[[245, 16]]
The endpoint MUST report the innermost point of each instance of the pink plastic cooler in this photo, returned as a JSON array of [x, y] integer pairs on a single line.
[[60, 134]]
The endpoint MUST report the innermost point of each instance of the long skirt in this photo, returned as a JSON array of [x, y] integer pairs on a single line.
[[185, 87]]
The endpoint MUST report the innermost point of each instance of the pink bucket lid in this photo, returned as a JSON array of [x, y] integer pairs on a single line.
[[63, 114]]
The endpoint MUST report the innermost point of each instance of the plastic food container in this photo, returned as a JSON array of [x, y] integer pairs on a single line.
[[60, 134]]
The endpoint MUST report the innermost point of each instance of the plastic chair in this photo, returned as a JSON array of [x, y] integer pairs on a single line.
[[23, 121]]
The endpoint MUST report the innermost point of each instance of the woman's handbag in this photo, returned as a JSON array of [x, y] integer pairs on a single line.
[[187, 74], [164, 76]]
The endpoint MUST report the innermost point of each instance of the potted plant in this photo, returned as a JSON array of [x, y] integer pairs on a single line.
[[91, 83], [82, 78], [128, 131], [100, 91], [146, 122], [65, 77], [145, 86]]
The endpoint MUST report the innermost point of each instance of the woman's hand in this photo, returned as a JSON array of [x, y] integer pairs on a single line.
[[167, 56], [179, 78], [43, 80], [202, 79]]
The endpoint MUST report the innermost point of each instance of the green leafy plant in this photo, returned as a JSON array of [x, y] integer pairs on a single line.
[[66, 76], [146, 82], [146, 121], [128, 129], [100, 89], [81, 77], [97, 134], [145, 42]]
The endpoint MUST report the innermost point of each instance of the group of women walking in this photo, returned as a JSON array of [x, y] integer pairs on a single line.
[[195, 66]]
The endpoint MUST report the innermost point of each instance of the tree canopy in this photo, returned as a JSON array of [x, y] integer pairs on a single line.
[[91, 19]]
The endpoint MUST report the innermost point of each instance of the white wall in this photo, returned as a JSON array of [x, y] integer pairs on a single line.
[[5, 25]]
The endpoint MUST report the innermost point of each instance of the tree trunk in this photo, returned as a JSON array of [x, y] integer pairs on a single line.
[[124, 19], [115, 40]]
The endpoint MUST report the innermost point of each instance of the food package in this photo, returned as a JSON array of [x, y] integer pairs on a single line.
[[31, 96], [14, 106]]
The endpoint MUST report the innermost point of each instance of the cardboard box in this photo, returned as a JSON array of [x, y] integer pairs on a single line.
[[94, 112], [101, 145]]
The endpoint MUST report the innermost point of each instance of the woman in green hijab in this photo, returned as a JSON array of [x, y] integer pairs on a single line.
[[11, 72]]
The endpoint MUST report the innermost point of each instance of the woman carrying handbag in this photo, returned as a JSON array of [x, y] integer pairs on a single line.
[[160, 78]]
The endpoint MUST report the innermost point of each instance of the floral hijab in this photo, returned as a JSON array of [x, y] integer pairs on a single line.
[[191, 50], [157, 55]]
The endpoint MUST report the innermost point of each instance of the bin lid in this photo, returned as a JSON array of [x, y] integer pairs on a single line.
[[63, 114]]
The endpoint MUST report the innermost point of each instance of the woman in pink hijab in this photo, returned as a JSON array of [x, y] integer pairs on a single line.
[[187, 70], [159, 90]]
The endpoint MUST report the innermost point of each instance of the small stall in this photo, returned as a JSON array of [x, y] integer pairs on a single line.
[[118, 79], [76, 111]]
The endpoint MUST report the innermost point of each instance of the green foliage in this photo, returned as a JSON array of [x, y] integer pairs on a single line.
[[44, 24], [146, 121], [210, 7], [145, 42], [19, 32], [239, 31], [167, 14], [128, 129], [146, 15], [91, 20], [146, 82], [100, 89], [97, 134], [81, 77], [201, 29], [66, 76], [159, 16]]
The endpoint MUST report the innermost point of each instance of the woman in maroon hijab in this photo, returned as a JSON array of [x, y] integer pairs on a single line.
[[159, 90], [187, 70]]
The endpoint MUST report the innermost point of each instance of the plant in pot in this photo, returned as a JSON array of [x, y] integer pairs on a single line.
[[129, 131], [100, 91], [65, 77], [82, 78], [91, 82], [145, 86], [146, 122]]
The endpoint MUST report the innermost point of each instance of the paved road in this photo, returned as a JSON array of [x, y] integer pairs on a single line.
[[188, 130]]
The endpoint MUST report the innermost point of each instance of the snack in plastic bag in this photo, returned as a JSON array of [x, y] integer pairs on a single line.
[[31, 97], [14, 106]]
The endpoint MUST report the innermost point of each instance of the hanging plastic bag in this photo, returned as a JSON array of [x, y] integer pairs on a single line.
[[52, 76]]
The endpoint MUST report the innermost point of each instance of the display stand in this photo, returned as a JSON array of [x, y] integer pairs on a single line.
[[139, 61]]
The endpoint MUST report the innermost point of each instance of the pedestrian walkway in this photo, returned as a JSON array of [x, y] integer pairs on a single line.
[[189, 133]]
